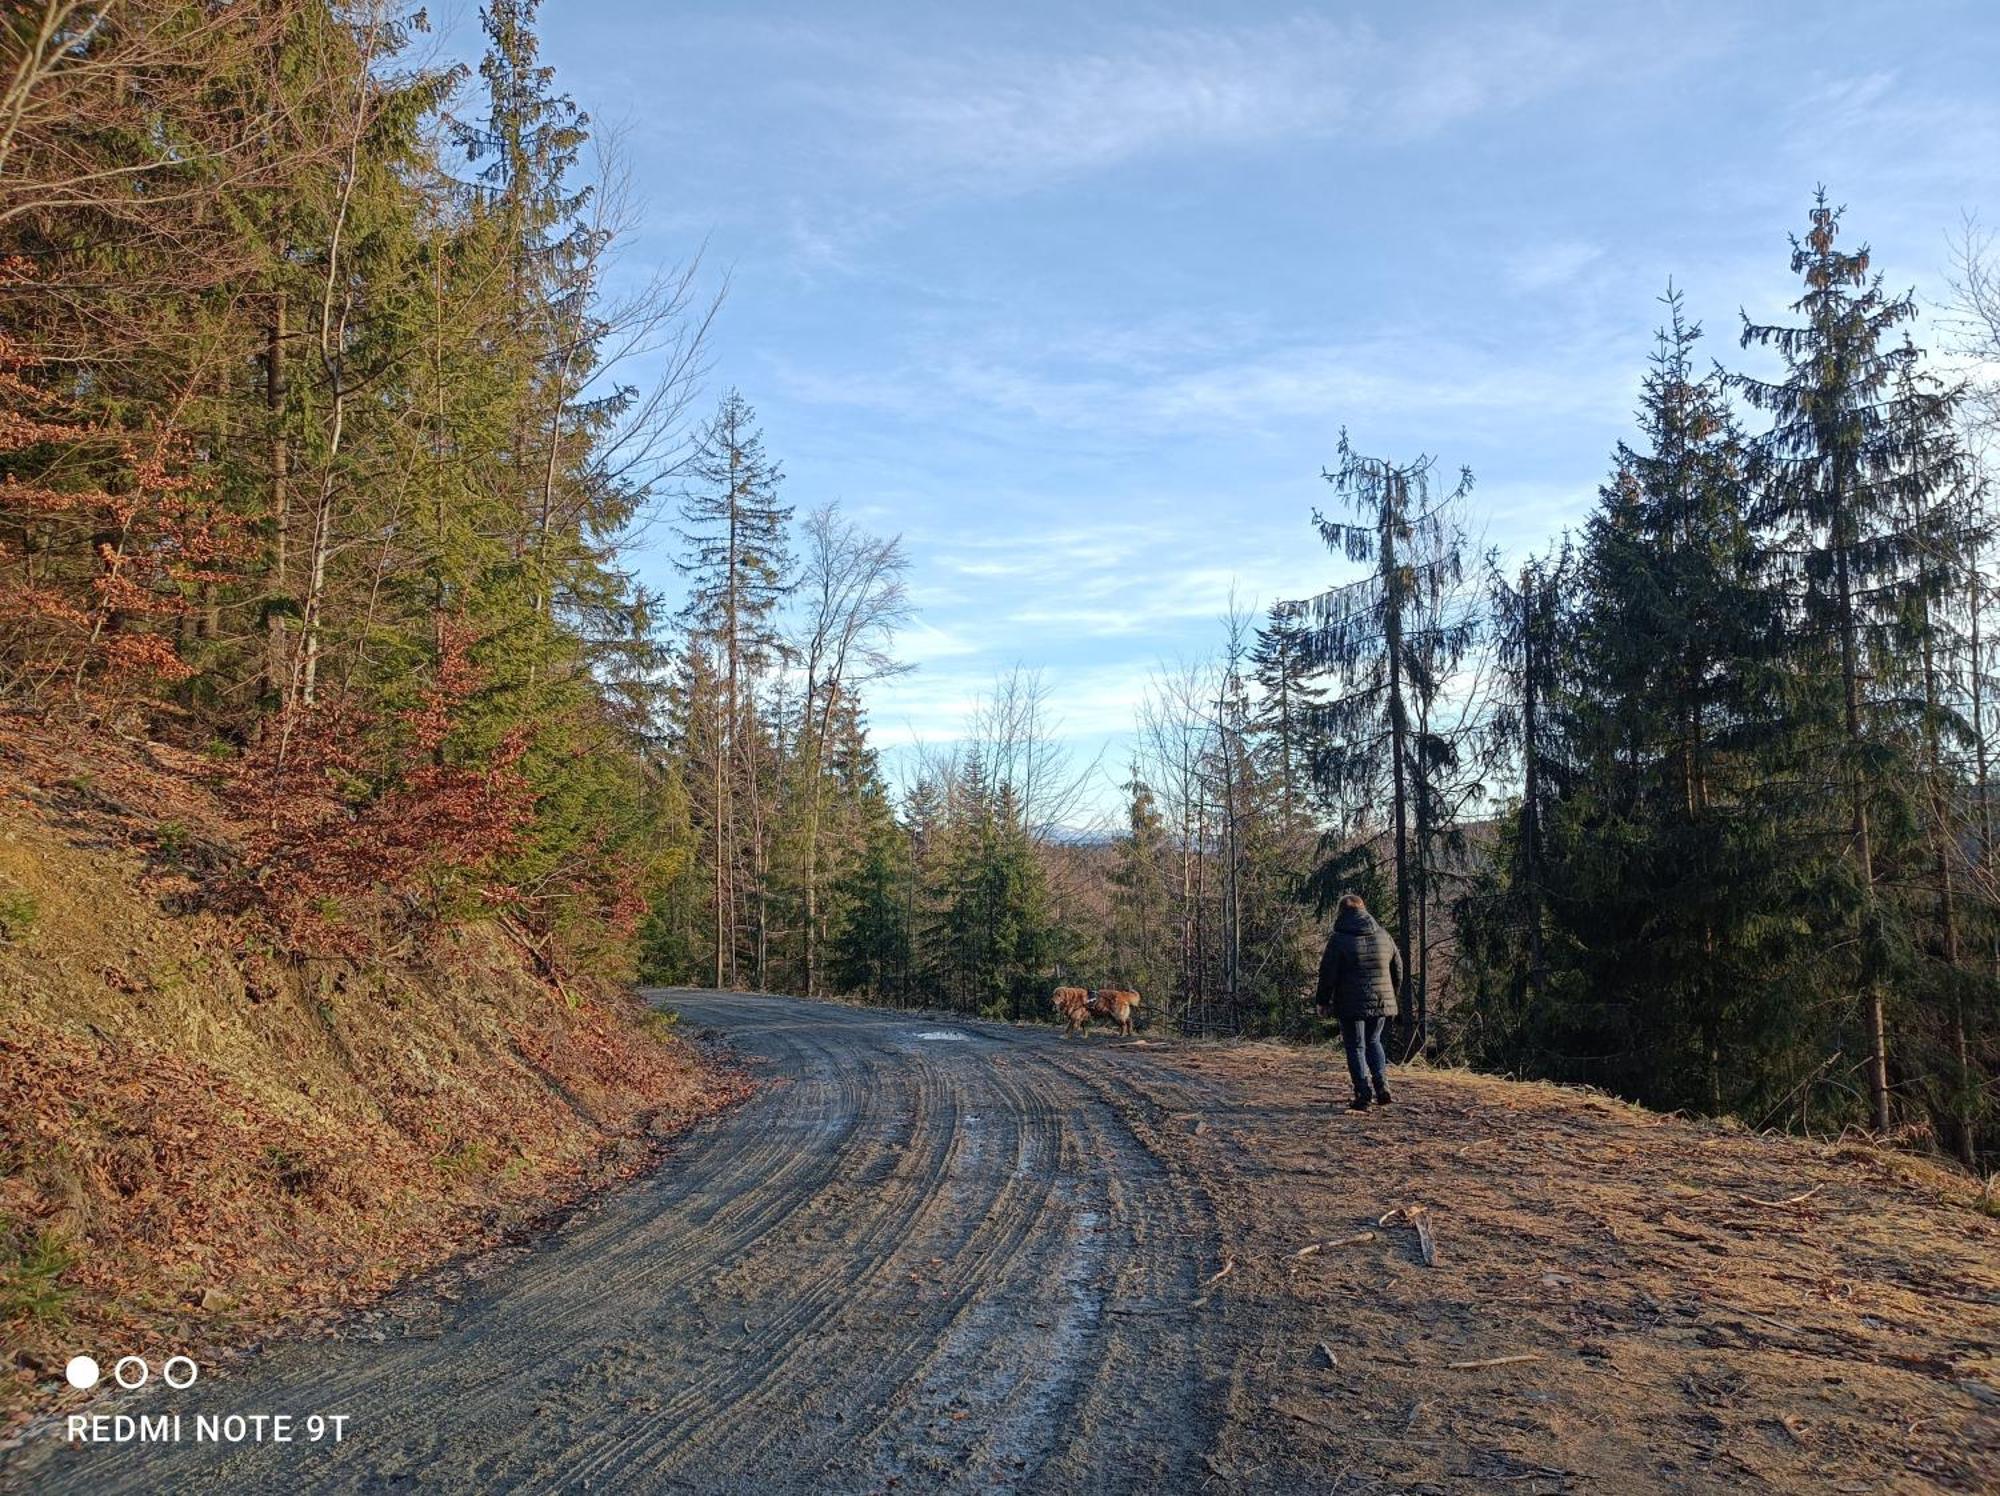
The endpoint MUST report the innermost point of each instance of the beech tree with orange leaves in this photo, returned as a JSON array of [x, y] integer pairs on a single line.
[[110, 536]]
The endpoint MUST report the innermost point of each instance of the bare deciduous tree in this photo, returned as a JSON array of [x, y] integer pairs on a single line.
[[853, 601]]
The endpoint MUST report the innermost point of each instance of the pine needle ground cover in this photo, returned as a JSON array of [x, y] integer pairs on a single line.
[[204, 1138], [1615, 1300]]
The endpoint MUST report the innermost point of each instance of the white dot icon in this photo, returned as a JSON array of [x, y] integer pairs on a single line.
[[82, 1373]]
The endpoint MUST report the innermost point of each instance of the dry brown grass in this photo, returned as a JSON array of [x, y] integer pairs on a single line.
[[1667, 1305], [190, 1116]]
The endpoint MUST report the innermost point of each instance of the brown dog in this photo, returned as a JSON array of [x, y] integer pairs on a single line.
[[1117, 1004], [1079, 1006], [1074, 1005]]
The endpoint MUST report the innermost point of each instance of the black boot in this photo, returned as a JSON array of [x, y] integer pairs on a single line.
[[1358, 1104], [1382, 1096]]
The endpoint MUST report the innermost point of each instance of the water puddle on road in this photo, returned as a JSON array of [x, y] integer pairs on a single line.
[[934, 1034]]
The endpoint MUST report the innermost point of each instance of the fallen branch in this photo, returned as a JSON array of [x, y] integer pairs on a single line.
[[1348, 1435], [1421, 1219], [1788, 1201], [1310, 1421], [1776, 1324], [1418, 1219], [1344, 1241], [1493, 1361], [1227, 1268], [1825, 1065]]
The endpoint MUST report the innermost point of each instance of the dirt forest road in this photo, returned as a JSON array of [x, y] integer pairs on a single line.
[[924, 1251], [933, 1254]]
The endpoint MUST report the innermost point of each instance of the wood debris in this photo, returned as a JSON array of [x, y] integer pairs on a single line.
[[1418, 1219], [1339, 1241], [1786, 1203], [1226, 1269]]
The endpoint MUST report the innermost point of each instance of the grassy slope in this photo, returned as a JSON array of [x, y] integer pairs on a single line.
[[202, 1139], [1694, 1307]]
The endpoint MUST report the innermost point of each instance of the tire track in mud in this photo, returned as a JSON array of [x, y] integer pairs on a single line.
[[880, 1224], [979, 1224], [937, 1262]]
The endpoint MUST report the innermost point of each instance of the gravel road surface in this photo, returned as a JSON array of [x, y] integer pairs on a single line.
[[927, 1254]]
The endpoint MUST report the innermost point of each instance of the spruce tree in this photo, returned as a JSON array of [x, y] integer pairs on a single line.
[[269, 251], [990, 925], [1390, 642], [1946, 516], [1286, 693], [1140, 943], [1672, 840], [738, 562], [1846, 452], [869, 951], [1533, 652]]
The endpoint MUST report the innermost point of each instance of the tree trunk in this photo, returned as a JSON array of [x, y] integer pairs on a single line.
[[715, 813], [830, 690], [1531, 828], [322, 549], [812, 891], [1399, 736], [1943, 833], [726, 747], [759, 873], [275, 665], [1878, 1051], [1981, 764]]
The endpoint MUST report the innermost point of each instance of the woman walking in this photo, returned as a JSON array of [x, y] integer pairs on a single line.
[[1359, 978]]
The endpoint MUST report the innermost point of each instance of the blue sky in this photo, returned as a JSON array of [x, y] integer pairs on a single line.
[[1077, 299]]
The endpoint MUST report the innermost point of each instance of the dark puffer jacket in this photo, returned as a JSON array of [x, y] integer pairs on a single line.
[[1361, 972]]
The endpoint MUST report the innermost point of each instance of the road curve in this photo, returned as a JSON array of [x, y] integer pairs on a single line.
[[928, 1254]]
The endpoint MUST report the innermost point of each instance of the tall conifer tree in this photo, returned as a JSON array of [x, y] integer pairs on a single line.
[[1390, 642], [738, 561], [1670, 837], [1846, 452]]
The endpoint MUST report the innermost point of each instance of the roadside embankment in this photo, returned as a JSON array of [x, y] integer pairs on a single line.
[[206, 1138]]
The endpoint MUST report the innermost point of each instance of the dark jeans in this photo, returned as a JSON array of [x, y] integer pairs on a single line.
[[1360, 1034]]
